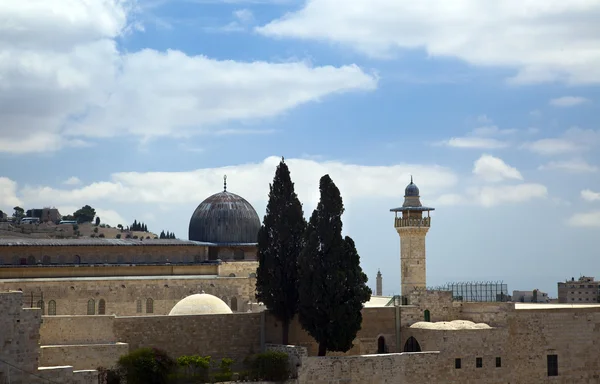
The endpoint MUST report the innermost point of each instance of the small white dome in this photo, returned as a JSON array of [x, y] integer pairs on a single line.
[[200, 304]]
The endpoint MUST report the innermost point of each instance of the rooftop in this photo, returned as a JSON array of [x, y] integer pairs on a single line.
[[110, 242]]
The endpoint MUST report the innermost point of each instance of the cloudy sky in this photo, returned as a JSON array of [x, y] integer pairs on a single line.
[[139, 108]]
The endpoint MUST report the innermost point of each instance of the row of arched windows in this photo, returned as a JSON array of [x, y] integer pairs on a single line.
[[46, 260], [91, 307], [51, 307], [149, 305]]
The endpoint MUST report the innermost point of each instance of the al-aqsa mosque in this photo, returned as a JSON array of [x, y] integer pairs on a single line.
[[127, 277]]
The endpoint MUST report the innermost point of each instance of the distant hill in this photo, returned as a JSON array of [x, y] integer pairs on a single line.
[[51, 230]]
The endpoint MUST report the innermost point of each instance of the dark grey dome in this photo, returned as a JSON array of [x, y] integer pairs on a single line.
[[225, 218], [411, 190]]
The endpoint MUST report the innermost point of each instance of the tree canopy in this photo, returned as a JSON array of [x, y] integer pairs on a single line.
[[280, 241], [332, 285], [85, 214]]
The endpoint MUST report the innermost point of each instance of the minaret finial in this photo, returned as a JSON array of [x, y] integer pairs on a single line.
[[225, 183]]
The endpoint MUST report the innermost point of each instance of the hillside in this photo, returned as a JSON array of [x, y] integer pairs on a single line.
[[50, 230]]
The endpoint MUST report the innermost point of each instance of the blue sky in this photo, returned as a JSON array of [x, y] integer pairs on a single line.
[[139, 108]]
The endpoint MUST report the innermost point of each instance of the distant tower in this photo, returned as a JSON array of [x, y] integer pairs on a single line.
[[412, 228], [379, 288]]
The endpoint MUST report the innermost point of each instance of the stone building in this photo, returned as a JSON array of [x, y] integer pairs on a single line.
[[422, 336], [584, 290], [146, 276]]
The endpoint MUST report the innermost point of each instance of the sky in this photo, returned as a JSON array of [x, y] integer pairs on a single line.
[[138, 108]]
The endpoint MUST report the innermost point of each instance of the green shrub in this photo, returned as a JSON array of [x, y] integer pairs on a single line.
[[269, 366], [101, 235], [196, 367], [146, 366]]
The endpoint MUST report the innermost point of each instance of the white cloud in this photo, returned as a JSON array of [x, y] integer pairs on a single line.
[[493, 169], [568, 101], [73, 180], [8, 195], [65, 81], [590, 219], [573, 140], [492, 130], [249, 180], [536, 113], [590, 195], [489, 196], [543, 41], [475, 143], [572, 166]]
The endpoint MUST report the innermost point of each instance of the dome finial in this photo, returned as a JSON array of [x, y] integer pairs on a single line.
[[225, 183], [411, 179]]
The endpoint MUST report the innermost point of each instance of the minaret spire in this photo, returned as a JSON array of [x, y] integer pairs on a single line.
[[225, 183]]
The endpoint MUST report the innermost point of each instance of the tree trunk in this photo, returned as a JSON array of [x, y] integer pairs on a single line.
[[285, 332], [322, 349]]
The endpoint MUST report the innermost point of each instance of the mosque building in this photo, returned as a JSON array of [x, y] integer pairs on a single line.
[[195, 297], [125, 277]]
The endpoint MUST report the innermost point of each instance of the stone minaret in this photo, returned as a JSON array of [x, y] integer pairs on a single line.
[[412, 227], [379, 287]]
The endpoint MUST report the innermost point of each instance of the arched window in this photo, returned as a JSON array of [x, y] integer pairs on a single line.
[[412, 345], [234, 304], [46, 259], [77, 259], [232, 275], [381, 347], [91, 310], [40, 304], [427, 315], [52, 308], [138, 306], [149, 305], [252, 275], [102, 307], [31, 260]]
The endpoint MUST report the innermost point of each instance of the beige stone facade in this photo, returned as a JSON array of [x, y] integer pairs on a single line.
[[584, 290], [19, 351], [413, 270]]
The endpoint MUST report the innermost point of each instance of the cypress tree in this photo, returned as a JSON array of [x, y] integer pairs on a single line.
[[280, 241], [332, 285]]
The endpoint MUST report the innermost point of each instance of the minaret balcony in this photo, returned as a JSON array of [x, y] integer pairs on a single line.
[[401, 222]]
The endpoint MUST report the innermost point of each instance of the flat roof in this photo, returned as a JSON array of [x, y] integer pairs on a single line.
[[98, 241], [554, 306], [111, 278]]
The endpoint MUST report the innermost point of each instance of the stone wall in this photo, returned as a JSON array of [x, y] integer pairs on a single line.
[[376, 322], [87, 356], [573, 334], [125, 296], [149, 252], [19, 349], [19, 333], [71, 330], [413, 368], [234, 335]]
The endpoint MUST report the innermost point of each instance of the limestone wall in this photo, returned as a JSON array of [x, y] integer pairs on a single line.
[[571, 334], [231, 335], [494, 314], [19, 333], [69, 330], [376, 322], [125, 296], [413, 368], [87, 356], [238, 268], [85, 254]]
